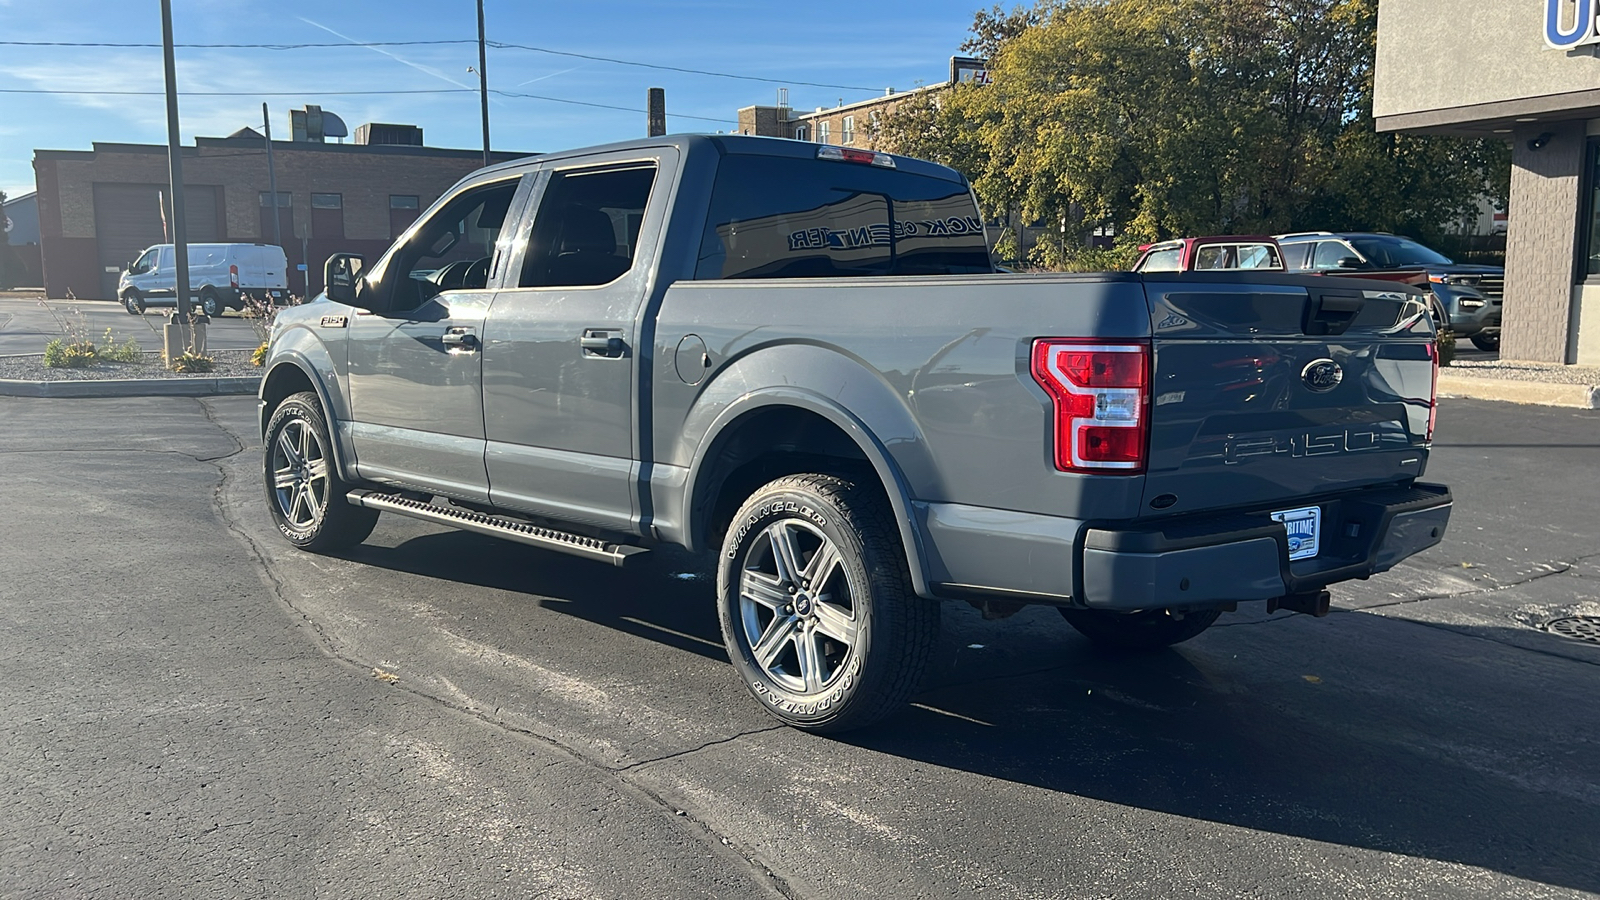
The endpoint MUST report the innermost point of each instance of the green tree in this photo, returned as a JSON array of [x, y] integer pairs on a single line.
[[1156, 118]]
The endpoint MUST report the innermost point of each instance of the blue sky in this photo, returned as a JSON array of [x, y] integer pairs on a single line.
[[880, 44]]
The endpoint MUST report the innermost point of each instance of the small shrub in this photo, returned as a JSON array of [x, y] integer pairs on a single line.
[[259, 357], [126, 352], [191, 363], [60, 354], [1447, 347]]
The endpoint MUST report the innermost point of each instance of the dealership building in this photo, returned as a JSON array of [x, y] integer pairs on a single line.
[[100, 208], [1526, 71]]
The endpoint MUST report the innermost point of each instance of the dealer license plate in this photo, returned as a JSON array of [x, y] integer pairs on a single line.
[[1305, 530]]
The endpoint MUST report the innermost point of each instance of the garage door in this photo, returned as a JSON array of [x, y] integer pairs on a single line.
[[127, 219]]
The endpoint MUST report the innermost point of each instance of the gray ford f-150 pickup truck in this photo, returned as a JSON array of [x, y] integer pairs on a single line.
[[800, 359]]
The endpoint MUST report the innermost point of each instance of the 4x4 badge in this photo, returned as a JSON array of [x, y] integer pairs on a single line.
[[1322, 375], [333, 322]]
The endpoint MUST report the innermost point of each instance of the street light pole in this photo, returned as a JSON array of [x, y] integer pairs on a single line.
[[483, 82], [272, 177], [180, 232]]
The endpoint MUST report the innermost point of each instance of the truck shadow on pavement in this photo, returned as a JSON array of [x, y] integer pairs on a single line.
[[1356, 730]]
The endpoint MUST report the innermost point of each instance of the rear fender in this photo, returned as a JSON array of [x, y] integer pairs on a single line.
[[829, 384]]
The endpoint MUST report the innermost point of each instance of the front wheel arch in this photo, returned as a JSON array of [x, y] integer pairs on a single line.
[[287, 378]]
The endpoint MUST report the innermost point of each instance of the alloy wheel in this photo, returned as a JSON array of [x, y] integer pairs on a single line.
[[300, 475], [796, 607]]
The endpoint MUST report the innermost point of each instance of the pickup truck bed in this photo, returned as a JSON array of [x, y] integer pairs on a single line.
[[892, 428]]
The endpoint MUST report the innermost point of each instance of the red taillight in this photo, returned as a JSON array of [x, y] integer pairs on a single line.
[[233, 275], [1101, 397], [1433, 392]]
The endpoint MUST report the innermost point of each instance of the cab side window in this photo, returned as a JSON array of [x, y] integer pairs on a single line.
[[587, 229], [454, 249], [1329, 253], [1164, 261]]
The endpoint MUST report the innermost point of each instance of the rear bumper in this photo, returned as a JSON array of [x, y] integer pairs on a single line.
[[1207, 561], [1184, 562]]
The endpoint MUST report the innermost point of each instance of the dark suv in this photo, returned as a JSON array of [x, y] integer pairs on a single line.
[[1469, 296]]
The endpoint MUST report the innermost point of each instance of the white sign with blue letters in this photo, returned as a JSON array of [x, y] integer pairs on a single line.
[[1570, 24]]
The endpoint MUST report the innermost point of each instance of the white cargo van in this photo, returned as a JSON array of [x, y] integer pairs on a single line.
[[221, 277]]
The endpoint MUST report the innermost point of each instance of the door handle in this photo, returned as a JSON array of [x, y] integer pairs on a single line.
[[460, 339], [602, 343]]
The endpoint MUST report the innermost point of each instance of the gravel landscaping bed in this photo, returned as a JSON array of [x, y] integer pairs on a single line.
[[1542, 373], [230, 363]]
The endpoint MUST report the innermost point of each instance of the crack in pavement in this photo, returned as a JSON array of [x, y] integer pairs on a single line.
[[1566, 566], [702, 832], [1462, 631]]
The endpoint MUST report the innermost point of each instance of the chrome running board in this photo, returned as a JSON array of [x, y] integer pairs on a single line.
[[499, 526]]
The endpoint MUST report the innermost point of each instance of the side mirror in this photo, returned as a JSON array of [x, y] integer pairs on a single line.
[[1349, 262], [340, 275]]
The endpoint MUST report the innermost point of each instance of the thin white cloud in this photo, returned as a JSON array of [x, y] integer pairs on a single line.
[[552, 75], [430, 70]]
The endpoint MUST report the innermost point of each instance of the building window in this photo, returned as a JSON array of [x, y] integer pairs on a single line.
[[1591, 240], [284, 233], [822, 132], [403, 210], [802, 133], [327, 216], [847, 130]]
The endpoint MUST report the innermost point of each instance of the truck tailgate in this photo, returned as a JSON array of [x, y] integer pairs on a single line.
[[1276, 392]]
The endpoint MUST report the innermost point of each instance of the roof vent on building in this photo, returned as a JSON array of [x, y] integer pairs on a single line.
[[314, 125], [246, 132], [380, 133]]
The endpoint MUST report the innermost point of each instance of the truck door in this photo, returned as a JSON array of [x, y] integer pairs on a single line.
[[162, 280], [561, 347], [415, 369]]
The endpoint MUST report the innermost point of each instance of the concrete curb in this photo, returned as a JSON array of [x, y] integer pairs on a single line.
[[1580, 396], [132, 387]]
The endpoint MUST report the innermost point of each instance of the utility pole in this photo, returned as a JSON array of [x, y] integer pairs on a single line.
[[180, 232], [483, 81], [657, 105], [272, 177]]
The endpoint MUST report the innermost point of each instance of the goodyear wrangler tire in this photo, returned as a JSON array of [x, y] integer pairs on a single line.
[[304, 491], [816, 604], [1151, 629]]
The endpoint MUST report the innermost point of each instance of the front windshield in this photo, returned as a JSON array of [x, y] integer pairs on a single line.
[[1398, 252]]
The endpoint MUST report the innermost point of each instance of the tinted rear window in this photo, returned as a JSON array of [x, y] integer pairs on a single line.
[[773, 217]]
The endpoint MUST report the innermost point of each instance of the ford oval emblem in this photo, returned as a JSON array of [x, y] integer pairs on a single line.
[[1322, 375]]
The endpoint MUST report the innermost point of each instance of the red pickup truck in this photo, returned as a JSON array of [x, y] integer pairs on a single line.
[[1212, 254]]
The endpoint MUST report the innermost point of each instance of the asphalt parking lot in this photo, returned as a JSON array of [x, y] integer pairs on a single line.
[[197, 709], [26, 326]]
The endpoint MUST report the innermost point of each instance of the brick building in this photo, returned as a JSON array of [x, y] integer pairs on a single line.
[[848, 124], [99, 208]]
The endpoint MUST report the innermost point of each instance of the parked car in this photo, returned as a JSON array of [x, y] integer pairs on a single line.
[[799, 359], [1210, 254], [221, 277], [1469, 297]]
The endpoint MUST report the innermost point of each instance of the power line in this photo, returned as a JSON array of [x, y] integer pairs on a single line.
[[498, 45], [512, 94], [501, 45], [305, 46], [230, 93]]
